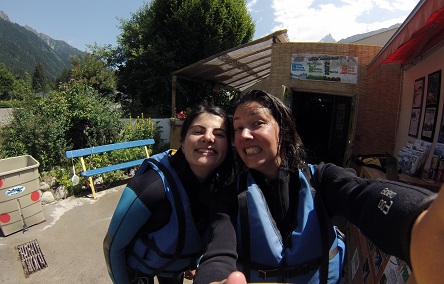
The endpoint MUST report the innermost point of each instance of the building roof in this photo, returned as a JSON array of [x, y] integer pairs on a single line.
[[237, 68], [421, 31]]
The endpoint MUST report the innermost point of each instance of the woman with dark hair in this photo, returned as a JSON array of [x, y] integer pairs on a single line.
[[284, 229], [163, 220]]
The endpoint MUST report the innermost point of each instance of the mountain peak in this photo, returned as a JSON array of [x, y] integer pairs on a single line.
[[22, 48], [357, 37], [4, 16], [31, 29], [328, 38]]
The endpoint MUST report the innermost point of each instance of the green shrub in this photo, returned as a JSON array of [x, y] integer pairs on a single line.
[[74, 117], [63, 178], [37, 129], [144, 128], [10, 104], [92, 119]]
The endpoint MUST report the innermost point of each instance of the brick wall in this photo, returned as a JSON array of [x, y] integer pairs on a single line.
[[378, 95]]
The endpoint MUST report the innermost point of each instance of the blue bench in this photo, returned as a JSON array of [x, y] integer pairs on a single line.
[[107, 148]]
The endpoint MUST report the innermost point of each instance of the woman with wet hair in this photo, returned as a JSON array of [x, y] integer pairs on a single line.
[[284, 229], [164, 219]]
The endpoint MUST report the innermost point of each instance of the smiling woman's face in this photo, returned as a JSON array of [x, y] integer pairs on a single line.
[[205, 144], [256, 138]]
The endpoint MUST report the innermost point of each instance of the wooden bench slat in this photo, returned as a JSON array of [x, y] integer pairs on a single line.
[[111, 168], [106, 148]]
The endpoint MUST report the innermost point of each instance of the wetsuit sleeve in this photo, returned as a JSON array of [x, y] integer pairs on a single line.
[[130, 215], [219, 258], [383, 210]]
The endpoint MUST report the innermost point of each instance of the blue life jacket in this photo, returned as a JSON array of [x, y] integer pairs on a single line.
[[176, 246], [315, 253]]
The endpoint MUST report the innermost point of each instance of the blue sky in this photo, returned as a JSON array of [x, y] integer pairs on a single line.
[[82, 22]]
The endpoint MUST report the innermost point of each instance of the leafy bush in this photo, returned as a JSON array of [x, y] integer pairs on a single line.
[[92, 119], [134, 129], [37, 129], [137, 129], [10, 104], [72, 118]]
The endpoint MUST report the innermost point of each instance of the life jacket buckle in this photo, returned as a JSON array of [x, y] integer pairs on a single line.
[[262, 274], [270, 272], [288, 272], [299, 270]]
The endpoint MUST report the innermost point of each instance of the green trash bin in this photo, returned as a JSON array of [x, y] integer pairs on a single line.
[[20, 196]]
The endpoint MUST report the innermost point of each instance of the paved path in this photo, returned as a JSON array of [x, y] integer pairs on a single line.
[[5, 115], [70, 239]]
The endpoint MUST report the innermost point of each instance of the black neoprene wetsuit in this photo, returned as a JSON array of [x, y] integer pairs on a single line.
[[344, 194], [208, 208]]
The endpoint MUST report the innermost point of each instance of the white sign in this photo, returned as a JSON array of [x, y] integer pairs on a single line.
[[335, 68], [15, 190]]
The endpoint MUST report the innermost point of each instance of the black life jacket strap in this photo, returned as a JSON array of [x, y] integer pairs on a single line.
[[290, 271], [245, 226]]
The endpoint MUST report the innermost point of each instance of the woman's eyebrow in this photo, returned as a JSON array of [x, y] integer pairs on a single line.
[[203, 127]]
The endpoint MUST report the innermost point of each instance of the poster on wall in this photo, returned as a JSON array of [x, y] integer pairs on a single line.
[[432, 100], [429, 124], [418, 92], [415, 116], [334, 68], [441, 130], [414, 122]]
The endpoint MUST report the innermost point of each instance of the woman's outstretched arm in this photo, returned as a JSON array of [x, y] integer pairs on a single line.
[[427, 243]]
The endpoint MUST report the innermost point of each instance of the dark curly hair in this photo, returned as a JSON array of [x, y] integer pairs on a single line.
[[291, 149], [225, 171]]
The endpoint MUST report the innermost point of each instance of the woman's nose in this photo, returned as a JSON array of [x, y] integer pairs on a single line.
[[209, 137], [246, 133]]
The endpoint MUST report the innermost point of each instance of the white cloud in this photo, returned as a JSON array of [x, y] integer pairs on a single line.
[[251, 4], [397, 5], [308, 20]]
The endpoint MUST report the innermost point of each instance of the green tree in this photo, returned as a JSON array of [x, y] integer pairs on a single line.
[[73, 117], [166, 35], [64, 76], [22, 88], [91, 70], [6, 83], [39, 79]]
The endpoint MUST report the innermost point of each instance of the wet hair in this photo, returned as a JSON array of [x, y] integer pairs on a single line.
[[224, 172], [291, 149]]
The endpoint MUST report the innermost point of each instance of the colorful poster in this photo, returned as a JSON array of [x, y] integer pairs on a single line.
[[335, 68], [414, 122]]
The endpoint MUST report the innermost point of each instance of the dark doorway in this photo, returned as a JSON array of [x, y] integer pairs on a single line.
[[322, 122]]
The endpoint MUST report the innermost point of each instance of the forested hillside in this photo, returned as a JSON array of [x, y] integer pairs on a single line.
[[21, 49]]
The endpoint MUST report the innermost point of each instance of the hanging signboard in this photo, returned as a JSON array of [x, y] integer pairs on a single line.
[[335, 68]]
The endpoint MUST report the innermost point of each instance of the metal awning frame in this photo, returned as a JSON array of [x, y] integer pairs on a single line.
[[236, 69]]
